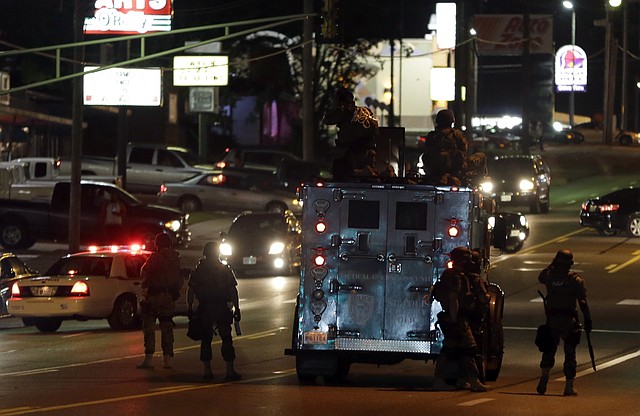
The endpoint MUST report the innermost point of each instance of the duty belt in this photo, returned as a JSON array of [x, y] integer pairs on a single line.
[[156, 290]]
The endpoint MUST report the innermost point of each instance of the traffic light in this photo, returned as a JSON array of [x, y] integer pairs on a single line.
[[331, 22]]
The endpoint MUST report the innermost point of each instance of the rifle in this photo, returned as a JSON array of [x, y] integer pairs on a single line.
[[593, 359]]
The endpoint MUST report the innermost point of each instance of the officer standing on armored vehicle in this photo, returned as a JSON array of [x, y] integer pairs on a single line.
[[357, 130], [456, 296], [565, 289]]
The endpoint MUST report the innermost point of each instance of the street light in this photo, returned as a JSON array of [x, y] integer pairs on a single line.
[[569, 5]]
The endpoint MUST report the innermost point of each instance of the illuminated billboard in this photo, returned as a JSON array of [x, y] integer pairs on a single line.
[[200, 71], [129, 17], [123, 87], [571, 69]]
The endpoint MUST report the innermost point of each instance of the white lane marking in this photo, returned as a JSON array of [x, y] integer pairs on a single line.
[[290, 301], [632, 302], [536, 300], [601, 331], [607, 364], [75, 335], [474, 402]]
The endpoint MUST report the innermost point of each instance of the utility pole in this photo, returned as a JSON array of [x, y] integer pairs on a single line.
[[307, 89], [76, 131]]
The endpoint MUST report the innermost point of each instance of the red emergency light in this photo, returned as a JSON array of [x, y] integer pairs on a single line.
[[321, 227], [319, 259]]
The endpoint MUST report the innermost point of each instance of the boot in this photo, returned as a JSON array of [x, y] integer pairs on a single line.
[[166, 361], [544, 379], [231, 372], [568, 388], [476, 386], [147, 362], [208, 373]]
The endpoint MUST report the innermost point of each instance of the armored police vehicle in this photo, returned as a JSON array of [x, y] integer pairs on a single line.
[[371, 253]]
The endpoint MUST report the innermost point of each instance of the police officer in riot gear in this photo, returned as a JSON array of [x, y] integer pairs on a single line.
[[565, 289], [459, 344], [161, 284], [215, 287]]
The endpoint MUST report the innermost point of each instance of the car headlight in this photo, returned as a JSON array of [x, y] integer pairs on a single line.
[[225, 249], [523, 221], [173, 225], [491, 223], [486, 187], [526, 185], [276, 248]]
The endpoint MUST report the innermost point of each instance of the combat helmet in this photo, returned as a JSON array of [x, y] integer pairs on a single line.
[[563, 257], [460, 254]]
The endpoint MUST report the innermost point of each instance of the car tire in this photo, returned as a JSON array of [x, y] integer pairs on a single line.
[[607, 232], [625, 139], [633, 225], [124, 313], [15, 235], [544, 208], [277, 207], [535, 206], [48, 324], [190, 204]]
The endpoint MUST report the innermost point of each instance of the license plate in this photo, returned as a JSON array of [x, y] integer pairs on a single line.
[[514, 233], [249, 260], [43, 291], [315, 337], [505, 198]]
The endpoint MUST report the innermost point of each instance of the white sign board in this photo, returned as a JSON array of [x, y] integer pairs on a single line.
[[571, 69], [129, 17], [200, 71], [443, 84], [123, 87]]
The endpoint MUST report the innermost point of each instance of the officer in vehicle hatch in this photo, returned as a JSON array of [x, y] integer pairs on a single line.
[[215, 287], [459, 345], [357, 130], [161, 284], [565, 289], [445, 151]]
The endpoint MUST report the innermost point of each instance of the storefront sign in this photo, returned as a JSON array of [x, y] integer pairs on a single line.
[[503, 34], [129, 17], [123, 87], [571, 69], [200, 71]]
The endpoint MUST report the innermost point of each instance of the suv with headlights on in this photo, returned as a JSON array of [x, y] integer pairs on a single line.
[[520, 180], [265, 242]]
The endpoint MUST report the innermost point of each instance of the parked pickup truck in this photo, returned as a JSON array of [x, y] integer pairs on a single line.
[[22, 223], [148, 166], [33, 178]]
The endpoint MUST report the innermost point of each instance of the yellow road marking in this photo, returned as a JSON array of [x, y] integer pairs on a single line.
[[159, 392], [626, 263]]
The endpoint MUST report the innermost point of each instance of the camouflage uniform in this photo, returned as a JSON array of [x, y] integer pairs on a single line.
[[161, 283], [459, 344]]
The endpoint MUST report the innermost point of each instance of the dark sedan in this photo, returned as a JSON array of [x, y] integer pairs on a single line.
[[618, 211], [12, 269]]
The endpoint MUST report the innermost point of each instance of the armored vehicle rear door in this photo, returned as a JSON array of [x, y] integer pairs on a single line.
[[409, 254], [385, 265], [362, 264]]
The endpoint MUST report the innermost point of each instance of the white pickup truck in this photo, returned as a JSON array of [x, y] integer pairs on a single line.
[[33, 178], [148, 166]]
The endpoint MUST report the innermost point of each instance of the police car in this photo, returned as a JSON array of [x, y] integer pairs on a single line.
[[100, 283]]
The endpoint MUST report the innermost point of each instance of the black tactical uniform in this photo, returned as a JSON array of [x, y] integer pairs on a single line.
[[215, 287], [565, 289]]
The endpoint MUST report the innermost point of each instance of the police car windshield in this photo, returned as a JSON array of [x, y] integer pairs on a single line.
[[85, 265]]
